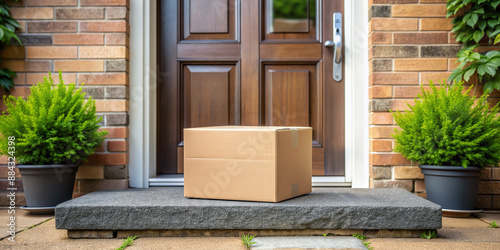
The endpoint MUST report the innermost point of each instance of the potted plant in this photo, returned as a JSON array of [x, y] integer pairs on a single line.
[[54, 129], [452, 134]]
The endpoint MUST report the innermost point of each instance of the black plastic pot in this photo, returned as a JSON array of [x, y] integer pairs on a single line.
[[47, 185], [451, 187]]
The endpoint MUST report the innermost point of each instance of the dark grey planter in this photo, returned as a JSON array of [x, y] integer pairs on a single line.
[[47, 185], [451, 187]]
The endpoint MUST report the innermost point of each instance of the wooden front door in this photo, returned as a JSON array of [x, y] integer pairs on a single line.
[[249, 62]]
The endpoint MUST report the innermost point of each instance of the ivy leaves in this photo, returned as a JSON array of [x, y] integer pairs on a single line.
[[485, 64], [474, 21], [480, 20], [7, 33]]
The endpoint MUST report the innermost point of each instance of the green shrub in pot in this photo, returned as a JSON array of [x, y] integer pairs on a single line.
[[449, 129], [55, 129]]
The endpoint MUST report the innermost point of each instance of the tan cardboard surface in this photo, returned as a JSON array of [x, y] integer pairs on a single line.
[[247, 163]]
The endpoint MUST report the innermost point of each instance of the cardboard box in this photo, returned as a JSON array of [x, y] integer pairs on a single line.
[[268, 164]]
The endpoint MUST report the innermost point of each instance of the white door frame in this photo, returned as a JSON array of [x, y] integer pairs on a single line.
[[143, 88]]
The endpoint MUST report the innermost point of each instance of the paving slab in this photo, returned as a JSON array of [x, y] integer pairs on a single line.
[[305, 242], [23, 220], [45, 236], [488, 217], [324, 208], [470, 222]]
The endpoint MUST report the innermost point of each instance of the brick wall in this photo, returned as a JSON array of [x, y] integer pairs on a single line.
[[88, 41], [410, 43]]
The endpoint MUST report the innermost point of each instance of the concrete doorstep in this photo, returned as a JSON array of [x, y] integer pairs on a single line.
[[166, 212]]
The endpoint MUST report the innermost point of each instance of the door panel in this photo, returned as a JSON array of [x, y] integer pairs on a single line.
[[249, 62], [210, 95], [209, 20], [286, 101]]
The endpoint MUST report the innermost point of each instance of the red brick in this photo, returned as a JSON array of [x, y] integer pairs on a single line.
[[78, 39], [111, 105], [419, 186], [380, 92], [20, 79], [421, 38], [381, 38], [401, 105], [103, 52], [495, 173], [406, 78], [489, 187], [483, 201], [57, 3], [381, 118], [116, 39], [34, 78], [380, 145], [394, 1], [103, 79], [90, 172], [13, 52], [55, 52], [79, 13], [108, 26], [388, 159], [51, 27], [435, 77], [408, 91], [117, 146], [79, 65], [486, 174], [379, 132], [103, 3], [116, 132], [32, 13], [4, 172], [407, 173], [436, 24], [420, 64], [108, 159], [393, 24], [26, 66], [419, 10]]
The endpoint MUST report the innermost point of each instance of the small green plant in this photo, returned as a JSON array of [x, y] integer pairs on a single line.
[[493, 224], [129, 241], [448, 127], [367, 245], [247, 240], [363, 238], [359, 236], [431, 235], [53, 125]]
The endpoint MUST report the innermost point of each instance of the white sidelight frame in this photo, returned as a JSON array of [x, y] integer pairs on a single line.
[[143, 90]]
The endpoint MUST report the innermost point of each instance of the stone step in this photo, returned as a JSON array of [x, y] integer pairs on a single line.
[[307, 242], [165, 210]]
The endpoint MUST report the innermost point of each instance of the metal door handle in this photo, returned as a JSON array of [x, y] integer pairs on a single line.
[[337, 44]]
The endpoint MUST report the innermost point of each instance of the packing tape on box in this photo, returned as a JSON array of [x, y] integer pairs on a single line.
[[294, 139]]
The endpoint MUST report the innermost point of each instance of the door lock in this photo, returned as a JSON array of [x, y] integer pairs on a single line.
[[337, 46]]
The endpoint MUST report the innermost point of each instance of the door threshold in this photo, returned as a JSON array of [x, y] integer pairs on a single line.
[[177, 180]]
